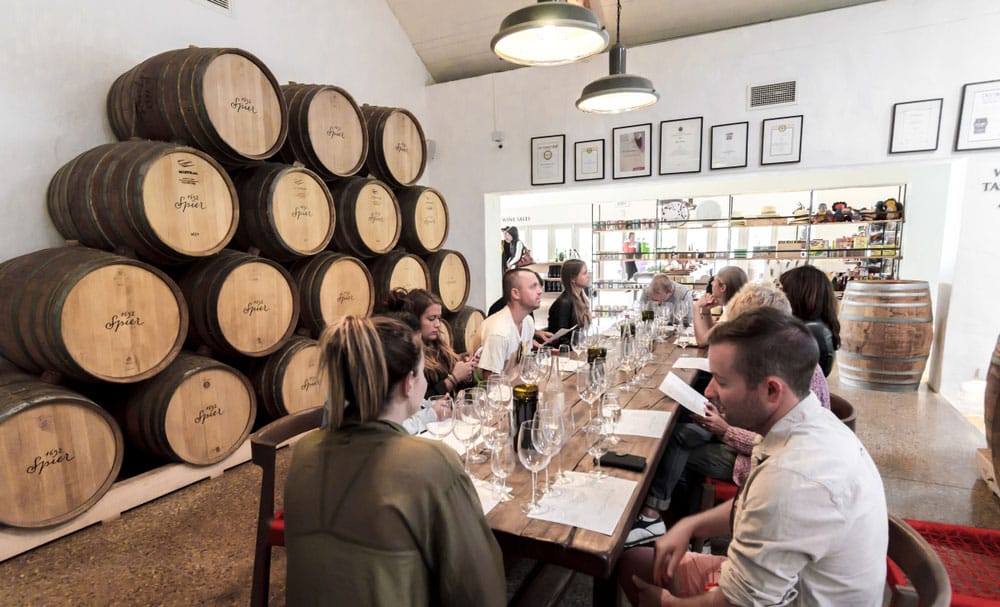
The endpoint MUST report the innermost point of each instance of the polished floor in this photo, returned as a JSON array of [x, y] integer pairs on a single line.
[[195, 546]]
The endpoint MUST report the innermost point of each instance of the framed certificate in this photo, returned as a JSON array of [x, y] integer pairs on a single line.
[[915, 126], [589, 160], [979, 118], [729, 145], [630, 151], [548, 160], [680, 146], [781, 140]]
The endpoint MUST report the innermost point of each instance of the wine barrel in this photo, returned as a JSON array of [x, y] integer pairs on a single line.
[[991, 417], [444, 332], [289, 380], [397, 270], [223, 101], [886, 327], [326, 130], [286, 212], [397, 149], [61, 452], [465, 323], [90, 315], [425, 219], [332, 285], [368, 222], [169, 203], [197, 411], [240, 304], [449, 278]]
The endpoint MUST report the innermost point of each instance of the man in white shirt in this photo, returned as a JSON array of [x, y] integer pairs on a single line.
[[507, 334], [809, 525]]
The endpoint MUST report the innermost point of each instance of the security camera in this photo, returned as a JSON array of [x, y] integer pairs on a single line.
[[497, 138]]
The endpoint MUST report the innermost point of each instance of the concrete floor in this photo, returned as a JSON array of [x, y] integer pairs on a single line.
[[195, 546]]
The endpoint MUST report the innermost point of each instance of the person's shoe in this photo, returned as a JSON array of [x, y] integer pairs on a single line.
[[645, 531]]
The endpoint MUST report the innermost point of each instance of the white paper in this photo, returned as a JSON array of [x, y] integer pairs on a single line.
[[568, 365], [557, 335], [589, 503], [689, 398], [689, 362], [638, 422], [484, 489]]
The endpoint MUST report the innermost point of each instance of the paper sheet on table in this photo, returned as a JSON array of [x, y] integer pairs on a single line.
[[568, 365], [557, 335], [689, 362], [485, 492], [589, 503], [643, 423], [689, 398]]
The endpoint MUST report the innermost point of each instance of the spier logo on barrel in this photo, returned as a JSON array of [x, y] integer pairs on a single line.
[[127, 318], [335, 131], [50, 458], [301, 211], [243, 104], [345, 296], [190, 201], [402, 147], [208, 412], [310, 382], [256, 305]]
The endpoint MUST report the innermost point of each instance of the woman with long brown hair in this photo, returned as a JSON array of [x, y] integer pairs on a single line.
[[373, 515], [810, 292], [446, 372], [571, 308]]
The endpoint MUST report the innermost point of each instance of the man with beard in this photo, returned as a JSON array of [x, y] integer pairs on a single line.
[[809, 525]]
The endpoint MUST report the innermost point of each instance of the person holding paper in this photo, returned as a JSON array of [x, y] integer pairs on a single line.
[[723, 287], [374, 516], [508, 334], [664, 292], [572, 308], [809, 526]]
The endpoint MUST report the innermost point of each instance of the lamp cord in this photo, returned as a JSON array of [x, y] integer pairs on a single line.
[[618, 26]]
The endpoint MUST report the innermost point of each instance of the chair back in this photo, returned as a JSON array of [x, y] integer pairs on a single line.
[[915, 557], [844, 411]]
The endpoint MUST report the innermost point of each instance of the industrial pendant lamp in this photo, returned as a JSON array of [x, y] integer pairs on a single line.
[[617, 92], [551, 32]]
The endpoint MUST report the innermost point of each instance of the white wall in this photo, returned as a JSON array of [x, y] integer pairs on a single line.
[[851, 65], [60, 58]]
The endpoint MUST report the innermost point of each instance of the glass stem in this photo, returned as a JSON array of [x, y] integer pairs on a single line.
[[534, 476], [467, 449], [560, 473]]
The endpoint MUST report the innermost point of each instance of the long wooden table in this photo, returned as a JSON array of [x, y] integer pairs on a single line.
[[584, 551]]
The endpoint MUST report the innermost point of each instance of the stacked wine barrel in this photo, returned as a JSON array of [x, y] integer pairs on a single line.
[[232, 213]]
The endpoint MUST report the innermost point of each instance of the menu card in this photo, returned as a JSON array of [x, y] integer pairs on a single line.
[[689, 398], [637, 422], [688, 362], [588, 503]]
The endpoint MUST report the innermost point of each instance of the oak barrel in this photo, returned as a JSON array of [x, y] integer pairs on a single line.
[[61, 452], [424, 216], [449, 278], [326, 130], [991, 417], [289, 380], [90, 315], [886, 328], [223, 101], [397, 149], [197, 411], [286, 212], [332, 285], [169, 203], [368, 222], [240, 304], [397, 270], [464, 324]]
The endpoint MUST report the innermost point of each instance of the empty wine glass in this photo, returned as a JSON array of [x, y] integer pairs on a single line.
[[600, 379], [627, 365], [502, 463], [597, 444], [531, 369], [681, 310], [568, 429], [531, 453], [611, 410], [466, 427], [475, 397], [586, 387], [543, 356], [498, 392], [579, 342], [550, 423], [444, 407]]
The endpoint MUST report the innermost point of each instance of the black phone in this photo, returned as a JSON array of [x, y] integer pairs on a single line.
[[626, 461]]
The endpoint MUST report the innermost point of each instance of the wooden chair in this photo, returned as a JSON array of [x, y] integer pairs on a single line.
[[264, 445], [917, 560], [844, 411]]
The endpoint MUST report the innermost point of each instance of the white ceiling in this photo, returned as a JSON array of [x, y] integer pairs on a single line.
[[452, 37]]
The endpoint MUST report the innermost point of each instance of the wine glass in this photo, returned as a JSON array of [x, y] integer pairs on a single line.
[[586, 387], [628, 352], [553, 435], [466, 426], [599, 378], [533, 458], [568, 429], [498, 392], [444, 407], [681, 310], [476, 397], [597, 444], [611, 410], [579, 342], [502, 463], [531, 369], [543, 357]]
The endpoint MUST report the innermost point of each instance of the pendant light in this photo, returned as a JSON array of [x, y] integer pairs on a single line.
[[618, 91], [551, 32]]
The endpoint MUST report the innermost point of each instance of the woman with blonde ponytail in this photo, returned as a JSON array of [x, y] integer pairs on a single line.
[[571, 308], [372, 514]]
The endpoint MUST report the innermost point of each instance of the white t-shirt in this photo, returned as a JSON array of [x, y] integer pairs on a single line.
[[502, 340]]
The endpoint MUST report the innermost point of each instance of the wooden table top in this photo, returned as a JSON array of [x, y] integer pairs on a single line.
[[586, 551]]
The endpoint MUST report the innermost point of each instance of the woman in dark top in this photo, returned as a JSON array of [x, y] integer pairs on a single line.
[[811, 294], [513, 248], [571, 308], [446, 373]]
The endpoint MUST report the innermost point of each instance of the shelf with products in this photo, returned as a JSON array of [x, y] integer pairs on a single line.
[[849, 232]]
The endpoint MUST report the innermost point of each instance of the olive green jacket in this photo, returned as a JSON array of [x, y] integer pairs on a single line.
[[374, 516]]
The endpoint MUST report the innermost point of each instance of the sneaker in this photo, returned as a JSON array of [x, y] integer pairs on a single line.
[[645, 531]]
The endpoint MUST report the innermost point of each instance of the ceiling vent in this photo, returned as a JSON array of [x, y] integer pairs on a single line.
[[771, 95], [223, 5]]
